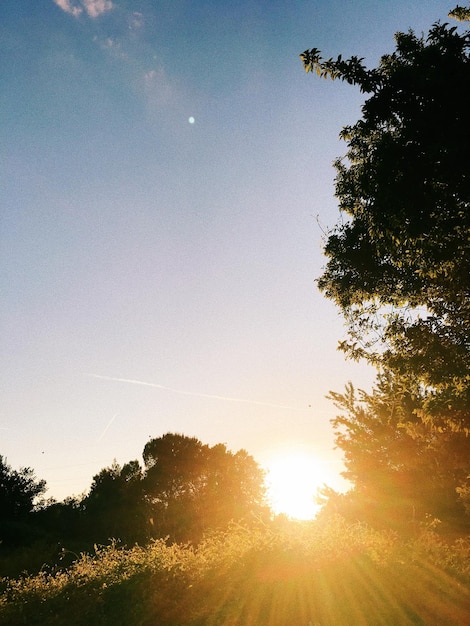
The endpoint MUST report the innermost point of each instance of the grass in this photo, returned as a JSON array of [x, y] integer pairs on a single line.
[[323, 572]]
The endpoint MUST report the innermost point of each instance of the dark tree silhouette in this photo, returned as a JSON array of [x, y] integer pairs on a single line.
[[399, 263], [399, 269], [20, 494], [115, 506], [192, 487], [19, 491]]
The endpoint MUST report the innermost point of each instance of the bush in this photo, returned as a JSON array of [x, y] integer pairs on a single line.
[[324, 572]]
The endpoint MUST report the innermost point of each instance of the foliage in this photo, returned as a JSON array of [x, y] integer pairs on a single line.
[[464, 493], [399, 269], [324, 572], [403, 468], [20, 495], [399, 264], [115, 505], [185, 489], [460, 13], [191, 487], [61, 520], [19, 491]]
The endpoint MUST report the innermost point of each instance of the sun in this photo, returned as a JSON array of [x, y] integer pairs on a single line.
[[292, 481]]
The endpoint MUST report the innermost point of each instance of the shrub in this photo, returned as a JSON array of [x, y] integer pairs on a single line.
[[327, 572]]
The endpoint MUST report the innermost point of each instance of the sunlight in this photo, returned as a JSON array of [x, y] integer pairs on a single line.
[[292, 481]]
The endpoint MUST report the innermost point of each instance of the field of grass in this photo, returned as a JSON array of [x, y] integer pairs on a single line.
[[323, 572]]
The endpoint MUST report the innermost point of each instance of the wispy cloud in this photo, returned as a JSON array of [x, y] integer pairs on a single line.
[[135, 20], [158, 90], [158, 87], [93, 8], [193, 393], [68, 7], [97, 7]]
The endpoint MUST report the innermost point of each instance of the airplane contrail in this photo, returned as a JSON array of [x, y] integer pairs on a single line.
[[106, 428], [192, 393]]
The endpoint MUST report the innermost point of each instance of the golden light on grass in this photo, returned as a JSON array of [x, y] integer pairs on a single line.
[[293, 478]]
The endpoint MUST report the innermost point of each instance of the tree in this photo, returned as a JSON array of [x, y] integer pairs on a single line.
[[192, 487], [402, 468], [62, 521], [399, 269], [115, 505], [399, 263], [20, 494], [19, 491], [460, 13]]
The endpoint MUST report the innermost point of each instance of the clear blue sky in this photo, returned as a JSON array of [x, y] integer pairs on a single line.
[[137, 245]]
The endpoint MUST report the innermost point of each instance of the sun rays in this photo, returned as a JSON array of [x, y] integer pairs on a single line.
[[293, 478]]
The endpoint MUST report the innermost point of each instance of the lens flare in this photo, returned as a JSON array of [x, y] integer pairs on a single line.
[[292, 482]]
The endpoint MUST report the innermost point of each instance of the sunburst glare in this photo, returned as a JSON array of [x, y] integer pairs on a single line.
[[292, 481]]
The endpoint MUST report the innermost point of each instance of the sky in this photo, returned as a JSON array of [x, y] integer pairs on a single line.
[[165, 182]]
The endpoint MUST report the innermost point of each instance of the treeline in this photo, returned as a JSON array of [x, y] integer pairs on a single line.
[[183, 489]]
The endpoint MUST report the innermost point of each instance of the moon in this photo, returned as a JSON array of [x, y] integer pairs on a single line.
[[191, 120]]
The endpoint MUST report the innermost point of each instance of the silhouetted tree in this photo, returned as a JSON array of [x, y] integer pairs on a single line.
[[19, 491], [62, 521], [399, 269], [115, 506], [192, 487], [20, 494], [399, 263]]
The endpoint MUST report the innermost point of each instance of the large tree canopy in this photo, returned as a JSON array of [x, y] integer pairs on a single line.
[[399, 262], [184, 489], [191, 487]]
